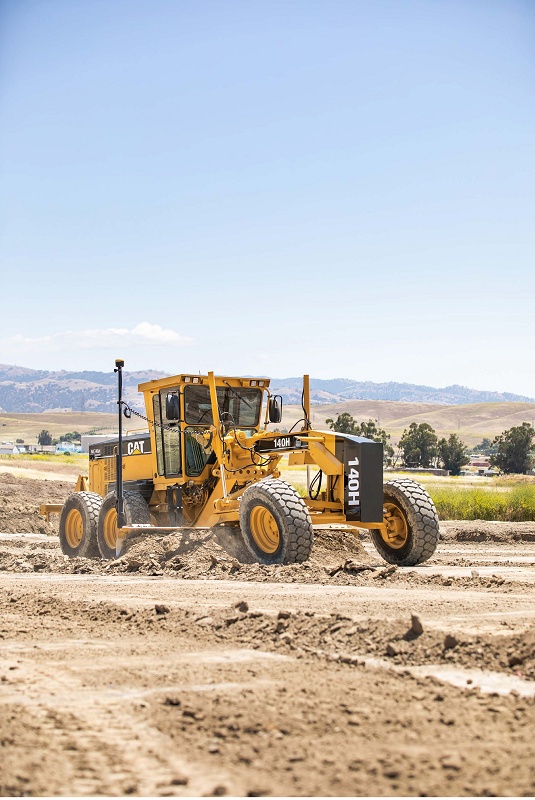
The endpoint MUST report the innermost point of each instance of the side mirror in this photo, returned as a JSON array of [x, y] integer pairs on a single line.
[[172, 406], [275, 408]]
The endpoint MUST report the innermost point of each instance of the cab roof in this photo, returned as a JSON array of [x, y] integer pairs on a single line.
[[188, 378]]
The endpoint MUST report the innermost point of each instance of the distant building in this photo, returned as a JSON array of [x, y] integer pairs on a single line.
[[9, 449], [68, 447], [481, 466], [41, 448], [422, 470]]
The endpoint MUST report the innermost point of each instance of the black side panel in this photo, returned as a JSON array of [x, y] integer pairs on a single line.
[[363, 477], [133, 445]]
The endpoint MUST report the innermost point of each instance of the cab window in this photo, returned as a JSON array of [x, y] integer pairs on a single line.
[[167, 440], [241, 404], [198, 451]]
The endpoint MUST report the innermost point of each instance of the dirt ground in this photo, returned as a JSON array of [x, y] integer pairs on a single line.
[[177, 670]]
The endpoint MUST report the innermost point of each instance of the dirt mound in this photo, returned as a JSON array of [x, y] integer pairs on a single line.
[[219, 552], [199, 554], [335, 637], [20, 499], [478, 530], [348, 640], [338, 559]]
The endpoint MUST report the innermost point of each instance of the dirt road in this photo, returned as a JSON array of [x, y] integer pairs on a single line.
[[176, 670]]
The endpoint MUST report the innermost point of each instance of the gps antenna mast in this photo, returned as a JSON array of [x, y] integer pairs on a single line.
[[121, 521]]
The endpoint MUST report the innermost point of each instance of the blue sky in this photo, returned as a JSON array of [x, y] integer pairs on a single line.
[[341, 188]]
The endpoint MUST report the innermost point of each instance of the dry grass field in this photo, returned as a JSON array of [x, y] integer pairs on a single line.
[[472, 422], [28, 426]]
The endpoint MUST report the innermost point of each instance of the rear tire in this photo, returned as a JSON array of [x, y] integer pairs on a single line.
[[412, 522], [275, 523], [136, 512], [78, 525]]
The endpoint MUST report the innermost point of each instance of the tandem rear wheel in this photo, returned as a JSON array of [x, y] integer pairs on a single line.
[[136, 512]]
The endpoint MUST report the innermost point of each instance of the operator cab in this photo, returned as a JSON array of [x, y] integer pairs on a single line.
[[183, 413]]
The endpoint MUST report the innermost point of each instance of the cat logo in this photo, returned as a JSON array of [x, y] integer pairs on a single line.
[[135, 448]]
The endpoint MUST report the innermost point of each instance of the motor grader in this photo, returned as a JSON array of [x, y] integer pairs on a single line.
[[211, 457]]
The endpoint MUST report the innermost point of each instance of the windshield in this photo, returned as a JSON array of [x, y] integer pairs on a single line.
[[243, 405]]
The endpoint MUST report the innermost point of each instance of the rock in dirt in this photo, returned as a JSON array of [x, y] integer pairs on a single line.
[[205, 621], [416, 625], [450, 641], [133, 564], [386, 572], [350, 565], [179, 780], [451, 761]]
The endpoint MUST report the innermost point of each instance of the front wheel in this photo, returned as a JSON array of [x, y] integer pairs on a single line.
[[412, 527], [136, 511], [275, 523]]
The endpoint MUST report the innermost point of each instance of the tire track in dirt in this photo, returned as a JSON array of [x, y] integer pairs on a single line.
[[108, 749]]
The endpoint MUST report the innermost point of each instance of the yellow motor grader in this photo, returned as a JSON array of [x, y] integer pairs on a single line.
[[211, 457]]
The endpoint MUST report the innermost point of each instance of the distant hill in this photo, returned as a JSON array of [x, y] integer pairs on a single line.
[[26, 390], [338, 390], [31, 391]]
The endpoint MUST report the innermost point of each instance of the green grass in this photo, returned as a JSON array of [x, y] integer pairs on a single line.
[[50, 458], [513, 505]]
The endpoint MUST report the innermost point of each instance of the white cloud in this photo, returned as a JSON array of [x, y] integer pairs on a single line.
[[144, 333]]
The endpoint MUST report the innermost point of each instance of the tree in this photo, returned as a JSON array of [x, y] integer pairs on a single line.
[[346, 424], [19, 441], [485, 447], [418, 445], [44, 438], [70, 437], [371, 431], [453, 454], [514, 449]]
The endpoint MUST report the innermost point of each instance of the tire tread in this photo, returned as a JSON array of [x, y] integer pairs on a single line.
[[88, 547], [298, 536]]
